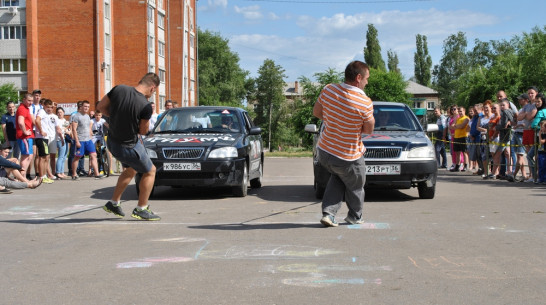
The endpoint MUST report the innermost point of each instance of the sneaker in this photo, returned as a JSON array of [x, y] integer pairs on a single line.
[[455, 168], [110, 207], [144, 214], [75, 178], [452, 167], [99, 177], [83, 173], [530, 180], [328, 221], [463, 167], [510, 178], [354, 221], [46, 180], [490, 176]]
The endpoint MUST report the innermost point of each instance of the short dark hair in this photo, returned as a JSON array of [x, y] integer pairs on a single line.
[[150, 79], [533, 88], [354, 68], [48, 102]]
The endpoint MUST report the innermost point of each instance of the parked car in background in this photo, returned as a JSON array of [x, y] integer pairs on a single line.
[[399, 155], [206, 147]]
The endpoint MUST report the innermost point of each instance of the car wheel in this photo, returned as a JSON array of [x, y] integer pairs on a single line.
[[319, 191], [137, 183], [426, 192], [257, 182], [242, 189]]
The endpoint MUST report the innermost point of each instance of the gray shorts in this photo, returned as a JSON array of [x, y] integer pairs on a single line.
[[135, 157]]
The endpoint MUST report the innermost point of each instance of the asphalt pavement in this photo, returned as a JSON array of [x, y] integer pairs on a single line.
[[477, 242]]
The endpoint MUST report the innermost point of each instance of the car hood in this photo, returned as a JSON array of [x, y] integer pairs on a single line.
[[406, 139], [192, 139]]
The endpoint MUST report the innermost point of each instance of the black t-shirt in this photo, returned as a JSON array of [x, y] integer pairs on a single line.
[[127, 108]]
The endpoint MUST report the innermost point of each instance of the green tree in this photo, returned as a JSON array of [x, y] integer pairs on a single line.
[[270, 100], [423, 61], [372, 51], [532, 57], [387, 86], [453, 65], [221, 79], [392, 61], [8, 92]]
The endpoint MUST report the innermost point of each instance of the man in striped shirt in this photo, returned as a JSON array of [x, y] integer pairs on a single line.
[[346, 113]]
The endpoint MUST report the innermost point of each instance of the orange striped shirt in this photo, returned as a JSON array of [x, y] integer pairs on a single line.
[[345, 108]]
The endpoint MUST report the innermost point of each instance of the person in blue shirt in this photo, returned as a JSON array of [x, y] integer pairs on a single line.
[[8, 127], [439, 145]]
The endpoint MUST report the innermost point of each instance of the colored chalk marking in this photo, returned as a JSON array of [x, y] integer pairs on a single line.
[[130, 265], [371, 226], [150, 261]]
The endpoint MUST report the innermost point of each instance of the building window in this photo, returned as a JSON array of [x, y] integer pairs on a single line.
[[10, 2], [160, 4], [150, 14], [161, 49], [161, 21], [107, 10], [13, 65], [431, 105], [151, 42], [14, 32], [107, 41], [161, 75]]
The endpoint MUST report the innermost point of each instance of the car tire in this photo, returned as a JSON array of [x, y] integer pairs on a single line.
[[426, 192], [137, 182], [319, 191], [257, 182], [242, 189]]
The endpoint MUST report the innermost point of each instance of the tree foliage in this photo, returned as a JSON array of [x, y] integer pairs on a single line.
[[372, 51], [452, 66], [392, 61], [221, 79], [8, 92], [387, 86], [270, 110], [423, 61]]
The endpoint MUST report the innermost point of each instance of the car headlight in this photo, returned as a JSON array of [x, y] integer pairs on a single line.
[[151, 153], [224, 152], [421, 152]]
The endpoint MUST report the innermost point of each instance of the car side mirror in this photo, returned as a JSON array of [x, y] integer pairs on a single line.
[[311, 128], [255, 131]]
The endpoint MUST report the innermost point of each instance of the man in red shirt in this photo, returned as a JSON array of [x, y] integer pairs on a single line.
[[24, 131]]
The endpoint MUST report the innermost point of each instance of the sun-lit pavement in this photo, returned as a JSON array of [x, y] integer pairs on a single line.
[[477, 242]]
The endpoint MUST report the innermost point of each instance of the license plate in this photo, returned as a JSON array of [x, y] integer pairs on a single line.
[[390, 169], [196, 166]]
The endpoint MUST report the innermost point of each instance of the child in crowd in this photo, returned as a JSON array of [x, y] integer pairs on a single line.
[[542, 154], [98, 124]]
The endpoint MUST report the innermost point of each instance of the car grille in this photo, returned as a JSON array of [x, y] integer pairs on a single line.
[[382, 152], [183, 153]]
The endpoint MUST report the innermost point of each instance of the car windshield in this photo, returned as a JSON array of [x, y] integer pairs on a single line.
[[188, 120], [394, 118]]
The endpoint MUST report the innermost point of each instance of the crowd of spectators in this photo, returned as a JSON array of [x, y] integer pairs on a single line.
[[40, 139], [497, 140]]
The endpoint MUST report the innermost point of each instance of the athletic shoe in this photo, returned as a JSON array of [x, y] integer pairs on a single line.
[[530, 180], [144, 214], [328, 221], [454, 168], [83, 173], [75, 178], [110, 207], [99, 177], [490, 176], [510, 178], [350, 219], [46, 180]]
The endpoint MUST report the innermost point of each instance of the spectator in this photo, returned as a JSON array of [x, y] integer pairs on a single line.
[[524, 118], [154, 117], [483, 128], [493, 139], [503, 130], [47, 127], [81, 132], [459, 144], [474, 151], [8, 127], [441, 136], [542, 154], [540, 104], [62, 145], [98, 126], [80, 170], [502, 171], [10, 167], [24, 131], [453, 115]]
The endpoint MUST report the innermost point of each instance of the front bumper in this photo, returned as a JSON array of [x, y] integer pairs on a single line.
[[214, 173]]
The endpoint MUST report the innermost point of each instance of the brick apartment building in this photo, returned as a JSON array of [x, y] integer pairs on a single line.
[[79, 49]]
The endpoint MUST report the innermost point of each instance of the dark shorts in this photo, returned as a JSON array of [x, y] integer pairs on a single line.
[[459, 144], [42, 145], [135, 158]]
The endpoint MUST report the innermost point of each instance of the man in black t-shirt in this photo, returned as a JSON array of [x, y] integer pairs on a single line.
[[130, 113]]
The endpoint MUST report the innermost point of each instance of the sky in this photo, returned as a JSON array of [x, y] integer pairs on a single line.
[[305, 37]]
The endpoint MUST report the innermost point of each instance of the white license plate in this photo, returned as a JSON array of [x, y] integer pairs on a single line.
[[196, 166], [390, 169]]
